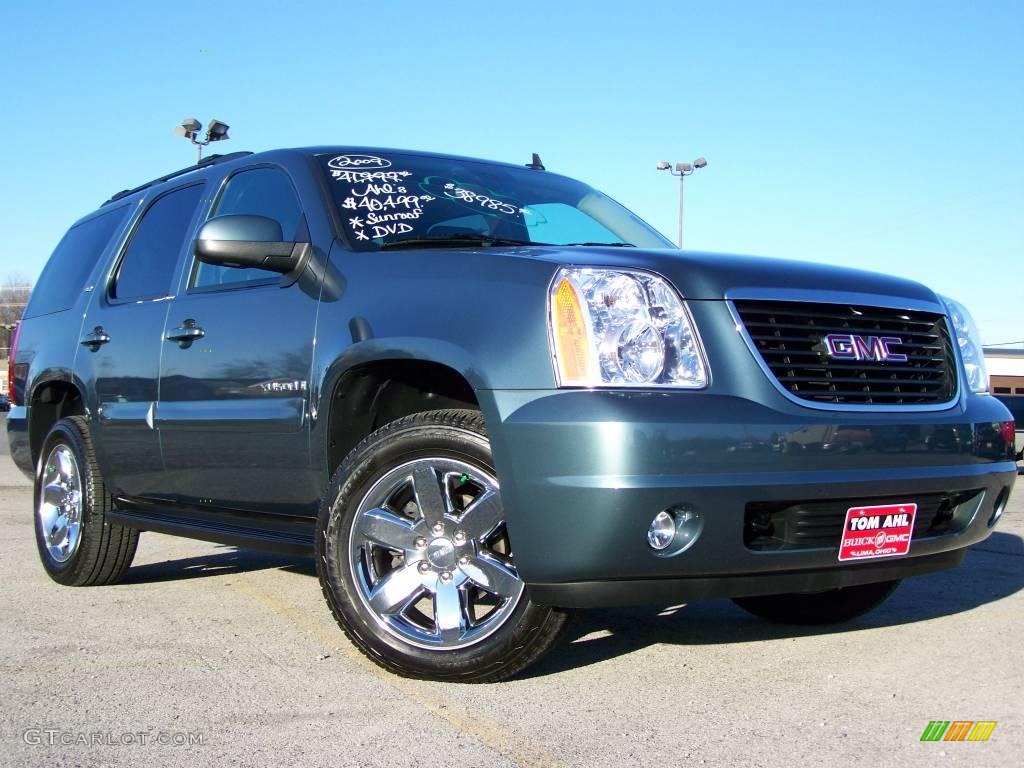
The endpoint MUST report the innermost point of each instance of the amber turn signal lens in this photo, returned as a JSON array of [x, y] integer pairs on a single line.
[[572, 346]]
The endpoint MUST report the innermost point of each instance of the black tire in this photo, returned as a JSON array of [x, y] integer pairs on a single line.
[[526, 630], [104, 549], [833, 606]]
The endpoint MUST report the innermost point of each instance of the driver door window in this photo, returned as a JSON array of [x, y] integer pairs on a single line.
[[260, 192]]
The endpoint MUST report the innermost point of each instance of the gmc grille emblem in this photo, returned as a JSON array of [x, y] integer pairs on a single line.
[[850, 346]]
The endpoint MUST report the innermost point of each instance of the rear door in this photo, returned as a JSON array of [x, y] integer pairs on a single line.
[[234, 399], [121, 341]]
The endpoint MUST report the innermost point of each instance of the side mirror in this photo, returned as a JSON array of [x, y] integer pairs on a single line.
[[248, 241]]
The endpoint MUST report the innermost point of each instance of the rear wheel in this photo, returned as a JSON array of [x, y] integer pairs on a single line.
[[830, 607], [78, 546], [415, 560]]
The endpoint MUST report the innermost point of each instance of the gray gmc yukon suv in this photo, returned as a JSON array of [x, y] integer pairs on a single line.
[[484, 395]]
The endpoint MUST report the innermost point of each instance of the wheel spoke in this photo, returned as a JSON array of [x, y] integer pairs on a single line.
[[64, 464], [396, 591], [492, 575], [449, 615], [58, 532], [387, 529], [429, 498], [483, 516], [53, 494]]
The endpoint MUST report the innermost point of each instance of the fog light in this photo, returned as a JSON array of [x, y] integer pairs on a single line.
[[662, 530]]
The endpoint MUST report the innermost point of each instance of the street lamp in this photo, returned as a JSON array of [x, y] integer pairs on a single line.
[[190, 128], [682, 170]]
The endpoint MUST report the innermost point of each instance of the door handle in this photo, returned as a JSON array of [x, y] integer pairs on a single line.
[[186, 333], [96, 339]]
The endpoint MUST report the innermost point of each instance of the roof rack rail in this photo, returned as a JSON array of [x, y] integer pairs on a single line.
[[211, 160]]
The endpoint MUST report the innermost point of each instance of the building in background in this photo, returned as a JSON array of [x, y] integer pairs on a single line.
[[1006, 381], [1005, 370]]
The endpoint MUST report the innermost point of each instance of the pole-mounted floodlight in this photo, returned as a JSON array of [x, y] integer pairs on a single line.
[[217, 131], [682, 170], [190, 128]]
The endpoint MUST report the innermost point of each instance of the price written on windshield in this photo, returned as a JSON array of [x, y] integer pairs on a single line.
[[380, 196], [382, 200], [484, 201]]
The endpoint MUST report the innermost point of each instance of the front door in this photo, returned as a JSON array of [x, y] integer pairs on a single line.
[[121, 342], [234, 394]]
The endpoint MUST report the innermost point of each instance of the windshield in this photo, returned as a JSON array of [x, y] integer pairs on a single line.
[[393, 200]]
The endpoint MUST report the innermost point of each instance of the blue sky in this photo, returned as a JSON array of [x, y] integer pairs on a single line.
[[887, 136]]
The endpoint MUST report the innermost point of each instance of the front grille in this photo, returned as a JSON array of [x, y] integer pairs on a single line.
[[793, 339], [785, 525]]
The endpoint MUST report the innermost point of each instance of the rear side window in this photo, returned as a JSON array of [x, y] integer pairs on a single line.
[[258, 192], [72, 262], [147, 266]]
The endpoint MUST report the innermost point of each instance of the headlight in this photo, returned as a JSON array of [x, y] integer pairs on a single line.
[[622, 328], [969, 341]]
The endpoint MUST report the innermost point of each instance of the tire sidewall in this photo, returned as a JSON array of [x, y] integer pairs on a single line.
[[367, 464]]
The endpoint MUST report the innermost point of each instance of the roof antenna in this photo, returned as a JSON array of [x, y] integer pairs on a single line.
[[536, 165]]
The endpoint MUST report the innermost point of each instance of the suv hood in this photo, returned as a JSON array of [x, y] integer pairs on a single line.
[[711, 276]]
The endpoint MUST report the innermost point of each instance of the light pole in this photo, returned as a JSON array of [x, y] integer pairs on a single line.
[[190, 128], [682, 170]]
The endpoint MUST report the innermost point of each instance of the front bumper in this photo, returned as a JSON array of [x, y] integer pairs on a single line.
[[584, 472]]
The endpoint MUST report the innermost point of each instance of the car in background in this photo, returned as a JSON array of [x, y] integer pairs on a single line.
[[5, 403]]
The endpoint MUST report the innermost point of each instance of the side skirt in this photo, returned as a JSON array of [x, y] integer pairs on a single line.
[[287, 534]]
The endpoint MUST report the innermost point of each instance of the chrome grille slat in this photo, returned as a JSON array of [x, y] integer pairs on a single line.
[[892, 369], [842, 313], [885, 386], [802, 327]]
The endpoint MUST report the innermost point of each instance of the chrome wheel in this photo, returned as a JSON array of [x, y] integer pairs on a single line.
[[430, 555], [60, 504]]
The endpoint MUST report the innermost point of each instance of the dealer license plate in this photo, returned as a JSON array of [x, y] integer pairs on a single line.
[[882, 531]]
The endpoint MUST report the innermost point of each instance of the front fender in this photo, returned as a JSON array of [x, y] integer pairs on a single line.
[[480, 314]]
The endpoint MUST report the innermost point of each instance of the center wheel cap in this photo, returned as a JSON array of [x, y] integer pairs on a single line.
[[441, 553]]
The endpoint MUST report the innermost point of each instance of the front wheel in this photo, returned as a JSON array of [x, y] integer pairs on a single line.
[[415, 560], [832, 606]]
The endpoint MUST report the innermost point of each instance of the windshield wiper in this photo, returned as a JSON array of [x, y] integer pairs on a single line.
[[454, 241], [610, 245]]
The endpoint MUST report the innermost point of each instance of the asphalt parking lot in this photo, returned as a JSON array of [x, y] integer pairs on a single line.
[[236, 650]]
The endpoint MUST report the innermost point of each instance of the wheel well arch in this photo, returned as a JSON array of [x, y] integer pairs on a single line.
[[50, 402], [369, 395]]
